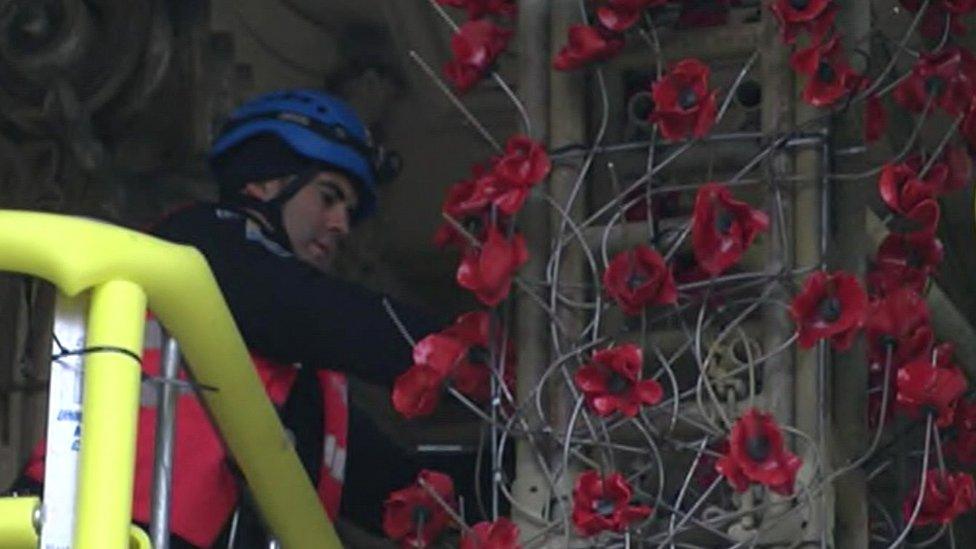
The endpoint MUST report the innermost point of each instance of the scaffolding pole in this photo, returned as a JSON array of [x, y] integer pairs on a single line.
[[567, 125], [530, 488], [778, 371], [849, 248]]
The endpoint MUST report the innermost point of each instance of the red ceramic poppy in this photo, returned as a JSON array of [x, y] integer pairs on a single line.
[[830, 305], [413, 517], [915, 250], [620, 15], [912, 196], [471, 329], [438, 351], [501, 534], [704, 13], [756, 454], [525, 162], [473, 379], [924, 387], [612, 382], [885, 279], [472, 373], [602, 504], [722, 228], [796, 16], [417, 392], [587, 45], [639, 278], [476, 45], [939, 11], [937, 79], [488, 270], [963, 446], [946, 496], [875, 119], [523, 165], [733, 473], [899, 321], [683, 105], [905, 260], [480, 8], [467, 203], [830, 76]]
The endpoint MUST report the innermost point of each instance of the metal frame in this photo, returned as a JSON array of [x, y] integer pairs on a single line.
[[126, 271]]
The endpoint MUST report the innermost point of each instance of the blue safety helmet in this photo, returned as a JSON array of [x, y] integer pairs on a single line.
[[319, 128]]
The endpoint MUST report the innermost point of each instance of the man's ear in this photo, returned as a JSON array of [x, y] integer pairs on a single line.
[[262, 190]]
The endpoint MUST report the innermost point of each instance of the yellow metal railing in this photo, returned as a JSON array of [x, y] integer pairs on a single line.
[[17, 518], [127, 271]]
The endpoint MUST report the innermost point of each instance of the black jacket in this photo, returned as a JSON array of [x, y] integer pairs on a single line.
[[290, 312]]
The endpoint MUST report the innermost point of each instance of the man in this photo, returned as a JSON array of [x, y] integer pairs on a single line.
[[296, 171]]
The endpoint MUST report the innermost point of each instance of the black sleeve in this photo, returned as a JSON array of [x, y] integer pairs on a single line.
[[291, 312]]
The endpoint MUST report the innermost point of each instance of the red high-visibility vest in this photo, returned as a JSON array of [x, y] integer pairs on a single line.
[[204, 490]]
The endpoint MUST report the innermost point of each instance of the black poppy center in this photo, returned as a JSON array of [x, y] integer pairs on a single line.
[[914, 260], [888, 341], [473, 224], [799, 5], [825, 73], [830, 309], [687, 98], [421, 515], [723, 221], [758, 448], [478, 355], [603, 507], [617, 383], [636, 280], [935, 85]]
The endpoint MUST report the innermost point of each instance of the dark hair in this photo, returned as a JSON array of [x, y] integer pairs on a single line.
[[260, 158]]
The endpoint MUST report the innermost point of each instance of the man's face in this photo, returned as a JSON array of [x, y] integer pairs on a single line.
[[317, 217]]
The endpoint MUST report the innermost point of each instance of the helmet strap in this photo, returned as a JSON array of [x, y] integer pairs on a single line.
[[272, 210], [294, 184]]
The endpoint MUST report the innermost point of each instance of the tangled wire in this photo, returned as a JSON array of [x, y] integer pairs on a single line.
[[675, 310]]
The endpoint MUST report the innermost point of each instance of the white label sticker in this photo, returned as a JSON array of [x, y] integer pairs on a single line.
[[63, 425]]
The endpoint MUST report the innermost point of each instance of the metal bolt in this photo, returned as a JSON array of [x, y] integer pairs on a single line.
[[37, 519]]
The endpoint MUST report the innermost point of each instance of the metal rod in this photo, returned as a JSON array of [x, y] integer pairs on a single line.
[[567, 124], [530, 487], [802, 140], [165, 428], [847, 372], [779, 371]]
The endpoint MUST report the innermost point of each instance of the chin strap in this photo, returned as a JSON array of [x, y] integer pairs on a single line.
[[271, 210]]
